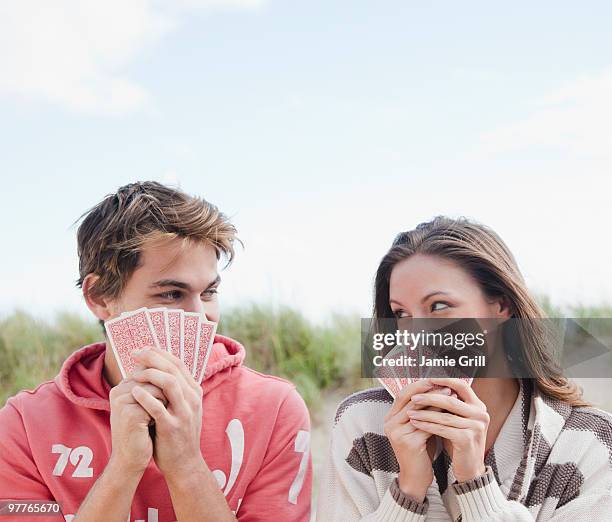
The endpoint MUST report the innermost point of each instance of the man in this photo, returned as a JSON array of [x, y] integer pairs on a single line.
[[234, 447]]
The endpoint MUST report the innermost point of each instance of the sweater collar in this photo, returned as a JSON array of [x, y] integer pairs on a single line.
[[526, 438]]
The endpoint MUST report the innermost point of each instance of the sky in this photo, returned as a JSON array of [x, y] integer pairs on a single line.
[[322, 128]]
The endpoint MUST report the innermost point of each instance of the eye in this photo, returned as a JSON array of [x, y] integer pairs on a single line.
[[399, 314], [435, 308], [210, 292], [171, 294]]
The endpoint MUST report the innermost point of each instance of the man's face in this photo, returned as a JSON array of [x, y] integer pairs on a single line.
[[175, 278]]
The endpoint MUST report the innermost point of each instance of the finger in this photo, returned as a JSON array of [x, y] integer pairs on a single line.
[[411, 430], [163, 381], [391, 428], [402, 415], [404, 396], [441, 430], [155, 391], [445, 402], [154, 358], [165, 361], [168, 363], [123, 390], [463, 389], [441, 391], [151, 405], [437, 417]]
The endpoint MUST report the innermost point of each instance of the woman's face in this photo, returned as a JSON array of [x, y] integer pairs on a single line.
[[424, 286]]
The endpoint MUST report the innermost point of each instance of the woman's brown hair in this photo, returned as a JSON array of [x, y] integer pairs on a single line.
[[481, 252]]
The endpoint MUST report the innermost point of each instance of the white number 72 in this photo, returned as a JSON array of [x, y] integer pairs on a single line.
[[80, 457]]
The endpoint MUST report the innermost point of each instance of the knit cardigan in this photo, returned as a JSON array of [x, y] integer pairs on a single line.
[[551, 461]]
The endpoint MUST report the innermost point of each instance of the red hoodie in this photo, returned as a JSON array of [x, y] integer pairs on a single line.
[[55, 441]]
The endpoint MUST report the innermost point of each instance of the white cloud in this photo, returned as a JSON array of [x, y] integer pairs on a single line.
[[75, 52], [241, 4], [575, 119], [550, 189]]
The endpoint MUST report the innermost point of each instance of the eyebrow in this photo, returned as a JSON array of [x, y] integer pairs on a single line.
[[436, 292], [181, 284]]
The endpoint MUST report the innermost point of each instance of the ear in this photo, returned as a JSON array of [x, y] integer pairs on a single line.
[[503, 307], [102, 308]]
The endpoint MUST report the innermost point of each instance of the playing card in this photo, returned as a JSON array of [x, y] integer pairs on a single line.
[[206, 340], [127, 333], [385, 376], [190, 329], [159, 320], [406, 374], [391, 386], [395, 377], [174, 331], [401, 373]]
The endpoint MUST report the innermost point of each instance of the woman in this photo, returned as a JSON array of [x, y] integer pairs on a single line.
[[515, 449]]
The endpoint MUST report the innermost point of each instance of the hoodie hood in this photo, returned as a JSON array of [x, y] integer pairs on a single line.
[[81, 378]]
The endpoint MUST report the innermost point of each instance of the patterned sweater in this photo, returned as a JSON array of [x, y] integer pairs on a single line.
[[550, 461]]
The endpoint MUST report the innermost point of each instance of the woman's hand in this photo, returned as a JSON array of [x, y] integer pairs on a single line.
[[409, 443], [464, 423]]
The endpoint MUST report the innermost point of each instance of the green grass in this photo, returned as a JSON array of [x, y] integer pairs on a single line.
[[278, 341], [283, 343], [32, 350]]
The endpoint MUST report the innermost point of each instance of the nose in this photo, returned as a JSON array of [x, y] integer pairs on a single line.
[[195, 305]]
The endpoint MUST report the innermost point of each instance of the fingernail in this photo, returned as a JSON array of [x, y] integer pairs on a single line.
[[417, 398], [445, 391]]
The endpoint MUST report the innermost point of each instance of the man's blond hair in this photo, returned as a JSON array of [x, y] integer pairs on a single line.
[[115, 231]]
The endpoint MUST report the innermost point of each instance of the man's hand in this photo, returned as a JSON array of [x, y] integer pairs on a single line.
[[132, 447], [178, 425]]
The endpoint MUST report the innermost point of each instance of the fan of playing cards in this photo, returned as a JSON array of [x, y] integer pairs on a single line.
[[396, 377], [426, 355], [188, 335]]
